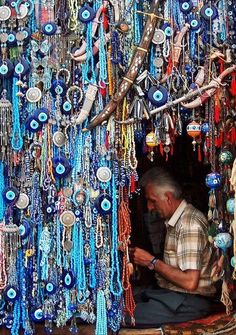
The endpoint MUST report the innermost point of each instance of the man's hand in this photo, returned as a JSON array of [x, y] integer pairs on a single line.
[[140, 256]]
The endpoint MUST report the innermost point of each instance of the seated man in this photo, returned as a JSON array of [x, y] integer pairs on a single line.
[[186, 287]]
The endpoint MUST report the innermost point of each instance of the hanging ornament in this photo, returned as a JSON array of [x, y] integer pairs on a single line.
[[103, 204], [213, 180], [209, 12], [158, 96], [223, 241], [225, 157], [230, 206], [11, 195], [194, 130], [86, 14]]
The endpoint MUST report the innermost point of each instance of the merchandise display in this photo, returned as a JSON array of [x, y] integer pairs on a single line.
[[81, 83]]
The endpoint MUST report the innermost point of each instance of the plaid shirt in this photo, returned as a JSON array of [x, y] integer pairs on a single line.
[[187, 248]]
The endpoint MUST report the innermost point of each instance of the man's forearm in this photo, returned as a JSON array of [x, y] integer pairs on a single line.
[[187, 280]]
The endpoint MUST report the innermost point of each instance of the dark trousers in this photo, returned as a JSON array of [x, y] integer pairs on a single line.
[[156, 307]]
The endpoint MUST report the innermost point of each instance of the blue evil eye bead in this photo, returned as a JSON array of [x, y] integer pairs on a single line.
[[49, 28], [6, 68], [50, 209], [8, 321], [58, 88], [223, 241], [209, 12], [50, 288], [24, 229], [195, 24], [230, 206], [66, 107], [103, 204], [42, 114], [21, 68], [11, 195], [213, 180], [167, 30], [225, 157], [68, 279], [158, 96], [86, 14], [205, 128], [27, 34], [11, 293], [186, 7], [61, 167], [37, 314], [11, 39], [32, 124]]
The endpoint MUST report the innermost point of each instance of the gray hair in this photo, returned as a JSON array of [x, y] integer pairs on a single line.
[[163, 179]]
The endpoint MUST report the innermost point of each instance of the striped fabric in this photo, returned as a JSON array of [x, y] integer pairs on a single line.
[[187, 247]]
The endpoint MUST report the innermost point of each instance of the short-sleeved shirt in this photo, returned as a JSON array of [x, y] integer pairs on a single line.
[[187, 248]]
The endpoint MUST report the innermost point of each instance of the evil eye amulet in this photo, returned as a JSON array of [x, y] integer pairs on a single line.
[[49, 28], [158, 96], [61, 167], [11, 195], [66, 108], [86, 14], [42, 114], [50, 288], [50, 209], [103, 204], [68, 279], [195, 24], [168, 31], [209, 12], [24, 229], [58, 88], [213, 180], [230, 205], [11, 293], [11, 39], [186, 7], [32, 124], [21, 68], [205, 128], [223, 241], [37, 314], [8, 321], [6, 68], [225, 157]]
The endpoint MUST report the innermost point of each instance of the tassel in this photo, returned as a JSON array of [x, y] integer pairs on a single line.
[[132, 184], [107, 140], [217, 110], [161, 149], [199, 153], [233, 84], [130, 304], [221, 63], [105, 19], [101, 321], [225, 299], [170, 65], [171, 150], [103, 89]]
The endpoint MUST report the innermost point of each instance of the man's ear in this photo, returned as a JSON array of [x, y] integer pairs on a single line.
[[169, 196]]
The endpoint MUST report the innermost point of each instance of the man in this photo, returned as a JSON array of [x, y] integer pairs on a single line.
[[184, 275]]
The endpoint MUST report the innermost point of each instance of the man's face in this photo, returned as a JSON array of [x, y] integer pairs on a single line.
[[157, 202]]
